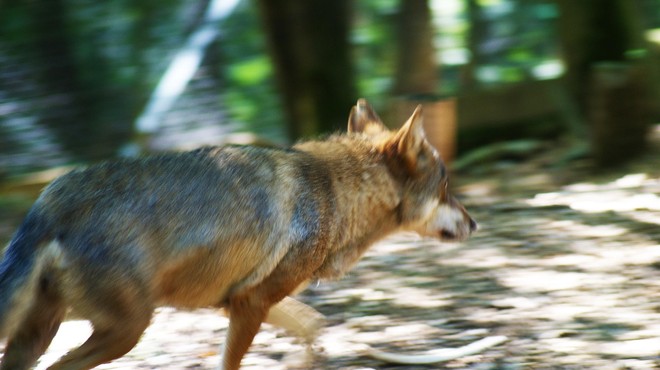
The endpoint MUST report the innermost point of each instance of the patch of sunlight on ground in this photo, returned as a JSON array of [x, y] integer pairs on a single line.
[[478, 258], [632, 348], [483, 192], [625, 194], [568, 345], [582, 230], [70, 335], [651, 217], [547, 280], [416, 297]]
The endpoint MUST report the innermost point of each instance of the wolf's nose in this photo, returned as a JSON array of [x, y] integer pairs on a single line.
[[473, 225]]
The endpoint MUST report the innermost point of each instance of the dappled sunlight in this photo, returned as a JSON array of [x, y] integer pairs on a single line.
[[569, 276], [569, 345], [70, 335], [548, 280], [566, 284], [161, 342], [482, 192], [626, 194], [477, 257], [545, 114], [575, 228], [651, 217], [632, 348], [416, 297]]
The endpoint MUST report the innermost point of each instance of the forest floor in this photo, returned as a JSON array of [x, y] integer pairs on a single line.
[[566, 265]]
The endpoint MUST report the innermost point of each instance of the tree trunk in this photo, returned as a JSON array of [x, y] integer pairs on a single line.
[[595, 35], [416, 80], [618, 115], [416, 72], [67, 110], [594, 31], [475, 36], [308, 42]]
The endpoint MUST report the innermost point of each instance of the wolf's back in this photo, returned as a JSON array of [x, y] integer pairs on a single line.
[[18, 263]]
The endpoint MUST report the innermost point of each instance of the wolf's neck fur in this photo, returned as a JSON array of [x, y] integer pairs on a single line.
[[366, 198]]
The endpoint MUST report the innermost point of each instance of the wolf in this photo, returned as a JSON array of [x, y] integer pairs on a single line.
[[235, 227]]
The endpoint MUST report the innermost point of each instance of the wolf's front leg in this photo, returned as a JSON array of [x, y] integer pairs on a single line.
[[248, 309], [298, 319], [245, 316]]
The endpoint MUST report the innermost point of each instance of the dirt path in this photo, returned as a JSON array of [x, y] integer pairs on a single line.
[[566, 265]]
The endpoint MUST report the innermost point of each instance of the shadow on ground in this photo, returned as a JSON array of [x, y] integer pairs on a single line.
[[566, 265]]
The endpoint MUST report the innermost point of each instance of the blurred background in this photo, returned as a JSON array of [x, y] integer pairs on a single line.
[[85, 80], [548, 112]]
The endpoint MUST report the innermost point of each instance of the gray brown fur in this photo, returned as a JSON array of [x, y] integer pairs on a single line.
[[238, 227]]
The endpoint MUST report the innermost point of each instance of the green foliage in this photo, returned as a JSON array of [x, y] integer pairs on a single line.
[[115, 52], [15, 27], [490, 2], [373, 39], [252, 71], [250, 96], [124, 45]]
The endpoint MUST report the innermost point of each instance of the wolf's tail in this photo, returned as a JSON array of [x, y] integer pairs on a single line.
[[18, 263]]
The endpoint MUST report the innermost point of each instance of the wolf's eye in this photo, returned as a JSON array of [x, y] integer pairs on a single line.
[[422, 158]]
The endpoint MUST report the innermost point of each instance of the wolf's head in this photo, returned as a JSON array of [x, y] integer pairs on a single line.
[[426, 205]]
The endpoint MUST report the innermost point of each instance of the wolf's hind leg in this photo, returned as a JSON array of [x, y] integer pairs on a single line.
[[118, 307], [106, 343], [34, 334]]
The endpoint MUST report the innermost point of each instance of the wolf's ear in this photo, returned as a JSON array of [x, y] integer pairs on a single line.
[[410, 138], [363, 119]]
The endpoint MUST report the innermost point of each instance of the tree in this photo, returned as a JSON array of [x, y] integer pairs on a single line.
[[309, 46], [603, 47], [416, 72], [69, 115], [476, 33], [416, 78]]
